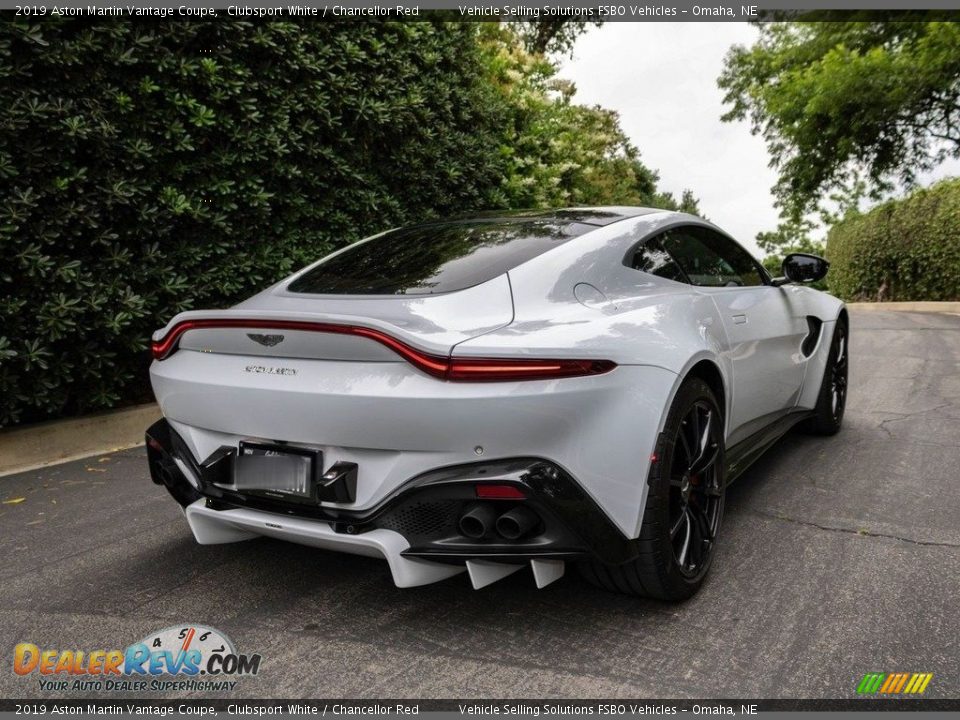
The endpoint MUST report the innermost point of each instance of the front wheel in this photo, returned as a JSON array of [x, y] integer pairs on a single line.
[[832, 400], [684, 505]]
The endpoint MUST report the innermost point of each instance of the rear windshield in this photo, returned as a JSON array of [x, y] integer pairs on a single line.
[[436, 258]]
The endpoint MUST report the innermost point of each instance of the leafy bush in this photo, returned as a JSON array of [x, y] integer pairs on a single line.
[[905, 249], [150, 168]]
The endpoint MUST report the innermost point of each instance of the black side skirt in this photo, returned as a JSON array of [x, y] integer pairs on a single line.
[[742, 455]]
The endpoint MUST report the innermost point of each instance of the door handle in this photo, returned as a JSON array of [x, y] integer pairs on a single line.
[[739, 319]]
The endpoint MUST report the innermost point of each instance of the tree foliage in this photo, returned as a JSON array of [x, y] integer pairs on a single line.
[[840, 102], [150, 168], [905, 249], [552, 35], [558, 152]]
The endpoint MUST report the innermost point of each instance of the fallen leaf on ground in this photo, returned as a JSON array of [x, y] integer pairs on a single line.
[[14, 501]]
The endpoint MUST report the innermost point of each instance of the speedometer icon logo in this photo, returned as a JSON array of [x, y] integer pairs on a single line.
[[189, 649], [184, 638]]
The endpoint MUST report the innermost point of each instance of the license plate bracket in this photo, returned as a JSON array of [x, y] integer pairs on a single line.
[[278, 471]]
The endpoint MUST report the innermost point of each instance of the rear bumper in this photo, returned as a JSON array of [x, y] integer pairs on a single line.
[[397, 423], [212, 526], [415, 528]]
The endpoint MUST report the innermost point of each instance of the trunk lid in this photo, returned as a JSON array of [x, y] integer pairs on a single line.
[[284, 325]]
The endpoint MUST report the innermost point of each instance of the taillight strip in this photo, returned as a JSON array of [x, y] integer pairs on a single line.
[[446, 368]]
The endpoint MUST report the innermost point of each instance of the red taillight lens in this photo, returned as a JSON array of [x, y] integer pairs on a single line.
[[493, 369], [455, 369], [500, 492]]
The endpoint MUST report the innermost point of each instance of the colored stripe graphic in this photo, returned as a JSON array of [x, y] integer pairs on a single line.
[[901, 681], [894, 683], [870, 683]]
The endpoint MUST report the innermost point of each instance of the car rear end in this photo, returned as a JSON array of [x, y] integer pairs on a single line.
[[362, 422]]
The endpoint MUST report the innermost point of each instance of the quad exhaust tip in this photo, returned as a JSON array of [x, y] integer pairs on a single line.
[[477, 521], [516, 523], [480, 520]]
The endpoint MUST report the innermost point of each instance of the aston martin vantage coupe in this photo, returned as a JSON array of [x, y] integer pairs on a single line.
[[497, 392]]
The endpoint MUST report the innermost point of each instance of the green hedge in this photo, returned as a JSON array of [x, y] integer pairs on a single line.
[[909, 247], [148, 168]]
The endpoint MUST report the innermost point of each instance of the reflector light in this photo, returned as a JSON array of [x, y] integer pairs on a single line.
[[445, 368], [500, 492]]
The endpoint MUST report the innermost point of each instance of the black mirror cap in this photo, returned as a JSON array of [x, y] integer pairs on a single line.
[[803, 267]]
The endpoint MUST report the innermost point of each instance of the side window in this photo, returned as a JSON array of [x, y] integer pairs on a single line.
[[711, 260], [652, 258]]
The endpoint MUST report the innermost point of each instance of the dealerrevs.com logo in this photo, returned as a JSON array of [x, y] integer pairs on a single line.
[[181, 657]]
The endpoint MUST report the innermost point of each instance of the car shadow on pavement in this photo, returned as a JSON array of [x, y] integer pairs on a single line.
[[790, 451]]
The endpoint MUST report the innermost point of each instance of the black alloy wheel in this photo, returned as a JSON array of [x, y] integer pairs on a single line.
[[696, 498], [838, 375], [684, 509], [832, 400]]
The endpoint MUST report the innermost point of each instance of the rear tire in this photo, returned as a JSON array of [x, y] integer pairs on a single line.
[[684, 505], [832, 400]]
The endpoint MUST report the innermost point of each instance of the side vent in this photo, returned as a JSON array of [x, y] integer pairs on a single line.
[[814, 325]]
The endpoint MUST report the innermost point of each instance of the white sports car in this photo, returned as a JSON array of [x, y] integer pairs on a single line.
[[507, 390]]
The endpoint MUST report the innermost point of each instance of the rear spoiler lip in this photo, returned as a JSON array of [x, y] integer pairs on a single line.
[[257, 316]]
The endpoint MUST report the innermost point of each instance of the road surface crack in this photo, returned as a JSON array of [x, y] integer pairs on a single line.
[[901, 416], [860, 532]]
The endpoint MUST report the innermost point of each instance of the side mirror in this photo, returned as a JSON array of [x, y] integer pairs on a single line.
[[802, 268]]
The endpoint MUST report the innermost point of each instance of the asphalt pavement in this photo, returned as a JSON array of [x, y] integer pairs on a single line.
[[838, 556]]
